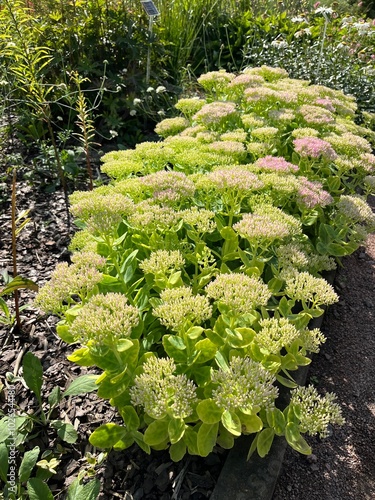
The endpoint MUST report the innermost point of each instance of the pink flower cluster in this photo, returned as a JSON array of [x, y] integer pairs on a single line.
[[276, 163], [316, 115], [311, 194], [235, 178], [313, 147], [214, 112], [326, 103]]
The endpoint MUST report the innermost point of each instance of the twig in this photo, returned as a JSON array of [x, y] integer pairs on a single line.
[[19, 359], [177, 483]]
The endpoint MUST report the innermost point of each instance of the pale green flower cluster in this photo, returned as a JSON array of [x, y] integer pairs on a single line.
[[66, 281], [121, 164], [267, 72], [163, 262], [171, 126], [297, 256], [102, 213], [300, 133], [252, 121], [190, 106], [267, 224], [265, 134], [200, 219], [369, 181], [238, 135], [312, 339], [83, 240], [235, 178], [315, 412], [104, 320], [180, 305], [215, 81], [162, 393], [149, 217], [356, 209], [215, 114], [349, 144], [169, 186], [245, 386], [276, 334], [241, 293], [309, 289]]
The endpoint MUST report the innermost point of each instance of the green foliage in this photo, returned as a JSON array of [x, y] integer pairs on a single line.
[[198, 273]]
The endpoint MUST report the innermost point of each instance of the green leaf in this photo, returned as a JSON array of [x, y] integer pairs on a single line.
[[54, 397], [253, 447], [231, 422], [206, 350], [79, 491], [194, 332], [177, 354], [4, 462], [64, 334], [225, 439], [252, 423], [209, 412], [130, 417], [139, 439], [107, 435], [206, 440], [286, 382], [65, 431], [81, 385], [157, 432], [123, 345], [28, 463], [177, 342], [177, 451], [33, 374], [125, 442], [176, 429], [18, 283], [295, 440], [82, 357], [276, 419], [38, 490], [191, 439], [264, 442]]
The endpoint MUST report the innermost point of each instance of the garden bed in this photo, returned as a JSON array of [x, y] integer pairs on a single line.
[[345, 366]]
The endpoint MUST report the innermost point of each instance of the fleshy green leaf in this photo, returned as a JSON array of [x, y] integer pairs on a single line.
[[231, 422], [252, 423], [65, 431], [265, 440], [295, 439], [209, 412], [107, 435], [79, 491], [156, 433], [82, 357], [177, 451], [207, 436], [176, 429], [130, 417]]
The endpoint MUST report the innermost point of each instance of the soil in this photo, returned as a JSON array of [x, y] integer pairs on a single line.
[[341, 467]]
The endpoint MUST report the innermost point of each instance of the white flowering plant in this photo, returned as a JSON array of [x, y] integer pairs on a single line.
[[198, 269]]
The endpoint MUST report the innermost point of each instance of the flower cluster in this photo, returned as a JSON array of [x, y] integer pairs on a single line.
[[179, 305], [356, 209], [214, 114], [310, 290], [276, 334], [66, 281], [149, 217], [162, 393], [190, 106], [267, 224], [311, 194], [169, 186], [239, 292], [162, 262], [315, 412], [235, 178], [276, 164], [311, 339], [104, 320], [313, 147], [316, 115], [245, 386], [171, 126], [200, 219]]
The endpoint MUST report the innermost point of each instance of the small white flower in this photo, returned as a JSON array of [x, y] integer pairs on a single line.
[[298, 19], [136, 101], [324, 10], [160, 89], [113, 133], [150, 89], [161, 112], [133, 112]]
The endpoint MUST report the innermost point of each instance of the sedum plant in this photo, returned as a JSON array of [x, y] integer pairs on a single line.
[[198, 269]]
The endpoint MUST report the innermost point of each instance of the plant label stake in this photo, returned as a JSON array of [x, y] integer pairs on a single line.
[[151, 11]]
